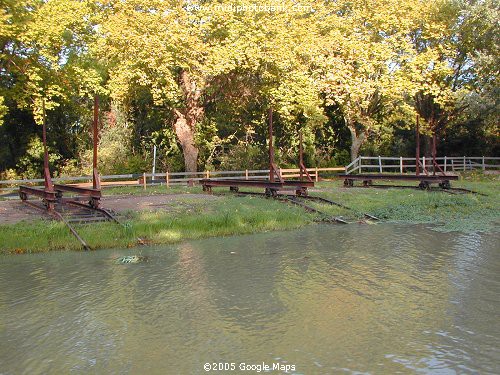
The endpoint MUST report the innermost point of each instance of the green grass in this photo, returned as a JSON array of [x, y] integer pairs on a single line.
[[188, 218], [450, 212], [198, 219]]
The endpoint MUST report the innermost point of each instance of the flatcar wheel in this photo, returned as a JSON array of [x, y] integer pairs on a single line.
[[445, 185], [348, 182], [424, 185], [94, 203]]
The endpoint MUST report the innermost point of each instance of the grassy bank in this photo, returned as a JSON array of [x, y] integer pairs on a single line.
[[197, 218], [186, 219], [448, 212]]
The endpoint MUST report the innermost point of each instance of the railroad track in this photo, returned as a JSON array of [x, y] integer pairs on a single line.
[[450, 190], [298, 201], [73, 213]]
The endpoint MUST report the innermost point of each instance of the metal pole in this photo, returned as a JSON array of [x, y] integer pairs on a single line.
[[96, 180], [271, 148], [301, 155], [95, 135], [46, 172], [434, 153], [417, 155], [154, 162]]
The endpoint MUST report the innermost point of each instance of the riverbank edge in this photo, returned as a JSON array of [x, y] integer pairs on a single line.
[[247, 215]]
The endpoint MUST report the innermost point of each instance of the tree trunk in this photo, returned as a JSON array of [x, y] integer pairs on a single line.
[[427, 146], [357, 140], [187, 118], [185, 134]]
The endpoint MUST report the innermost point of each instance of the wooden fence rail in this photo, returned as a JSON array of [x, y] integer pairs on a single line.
[[170, 178]]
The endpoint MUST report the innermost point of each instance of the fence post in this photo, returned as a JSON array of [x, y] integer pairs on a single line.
[[464, 163], [144, 180], [423, 163], [246, 174], [379, 164], [359, 162], [168, 179], [317, 177], [445, 162], [401, 164], [484, 165], [208, 174]]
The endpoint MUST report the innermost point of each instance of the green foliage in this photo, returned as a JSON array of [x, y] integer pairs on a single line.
[[244, 156], [31, 164], [350, 73]]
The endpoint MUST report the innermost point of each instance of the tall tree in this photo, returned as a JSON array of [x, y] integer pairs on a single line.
[[184, 52], [364, 44]]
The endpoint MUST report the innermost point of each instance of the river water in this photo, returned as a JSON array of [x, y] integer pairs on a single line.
[[321, 300]]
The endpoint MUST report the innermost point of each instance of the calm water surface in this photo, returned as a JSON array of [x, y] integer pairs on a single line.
[[327, 299]]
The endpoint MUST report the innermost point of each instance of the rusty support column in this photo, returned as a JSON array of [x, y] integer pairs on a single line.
[[301, 156], [46, 172], [271, 148], [96, 180], [417, 141], [434, 164], [49, 186]]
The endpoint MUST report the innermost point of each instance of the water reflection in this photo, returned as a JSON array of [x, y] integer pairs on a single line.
[[328, 299]]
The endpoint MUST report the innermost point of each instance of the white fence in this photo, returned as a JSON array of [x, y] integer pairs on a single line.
[[380, 164], [171, 178]]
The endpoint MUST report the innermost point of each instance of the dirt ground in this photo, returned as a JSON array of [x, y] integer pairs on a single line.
[[13, 210]]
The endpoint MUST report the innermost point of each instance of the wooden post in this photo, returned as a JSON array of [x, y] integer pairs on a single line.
[[464, 163], [144, 180], [316, 171], [445, 163], [484, 165], [246, 174], [401, 164], [168, 179], [423, 163], [379, 164], [208, 174], [453, 165], [359, 163]]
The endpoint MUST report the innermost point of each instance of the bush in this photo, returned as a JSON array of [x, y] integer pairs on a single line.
[[31, 164], [244, 156]]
